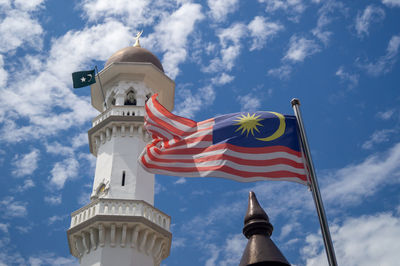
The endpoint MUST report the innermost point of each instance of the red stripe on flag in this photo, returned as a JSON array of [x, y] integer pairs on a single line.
[[257, 150], [164, 111], [164, 124], [226, 169], [222, 156]]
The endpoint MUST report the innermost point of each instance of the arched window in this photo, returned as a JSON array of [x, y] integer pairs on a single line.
[[130, 98]]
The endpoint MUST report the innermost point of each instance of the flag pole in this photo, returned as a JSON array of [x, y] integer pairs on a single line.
[[101, 87], [313, 184]]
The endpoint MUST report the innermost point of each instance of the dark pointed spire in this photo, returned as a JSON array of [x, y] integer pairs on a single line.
[[260, 249]]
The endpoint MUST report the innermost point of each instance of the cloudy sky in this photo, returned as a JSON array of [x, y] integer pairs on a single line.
[[340, 58]]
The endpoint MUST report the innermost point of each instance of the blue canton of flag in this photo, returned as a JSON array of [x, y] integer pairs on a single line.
[[259, 129]]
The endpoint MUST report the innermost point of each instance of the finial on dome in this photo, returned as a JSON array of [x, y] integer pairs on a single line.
[[137, 43]]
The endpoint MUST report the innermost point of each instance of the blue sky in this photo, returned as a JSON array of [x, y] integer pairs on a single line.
[[340, 58]]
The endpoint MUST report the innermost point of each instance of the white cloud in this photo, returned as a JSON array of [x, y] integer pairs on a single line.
[[4, 228], [180, 181], [11, 208], [219, 9], [261, 30], [69, 149], [84, 197], [30, 5], [325, 18], [288, 228], [10, 258], [137, 13], [199, 225], [52, 259], [26, 164], [201, 229], [90, 158], [385, 63], [59, 149], [18, 27], [293, 7], [3, 72], [249, 102], [222, 79], [158, 188], [282, 72], [344, 76], [24, 229], [371, 14], [233, 250], [229, 253], [192, 103], [366, 240], [5, 4], [391, 3], [385, 115], [35, 99], [300, 48], [171, 36], [179, 242], [76, 49], [230, 41], [213, 256], [63, 171], [80, 140], [377, 137], [294, 209], [351, 184], [53, 199], [210, 48], [28, 183], [2, 153], [56, 218]]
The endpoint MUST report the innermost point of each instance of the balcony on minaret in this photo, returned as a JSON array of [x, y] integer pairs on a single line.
[[129, 110]]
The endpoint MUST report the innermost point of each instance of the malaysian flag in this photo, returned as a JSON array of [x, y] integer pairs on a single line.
[[243, 146]]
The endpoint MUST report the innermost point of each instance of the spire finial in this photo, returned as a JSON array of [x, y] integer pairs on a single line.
[[256, 219], [260, 249], [137, 43]]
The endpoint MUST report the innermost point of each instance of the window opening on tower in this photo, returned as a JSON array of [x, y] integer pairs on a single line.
[[123, 178], [130, 98]]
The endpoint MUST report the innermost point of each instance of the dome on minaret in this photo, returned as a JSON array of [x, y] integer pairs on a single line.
[[134, 54]]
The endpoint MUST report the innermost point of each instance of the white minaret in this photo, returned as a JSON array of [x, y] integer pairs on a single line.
[[120, 226]]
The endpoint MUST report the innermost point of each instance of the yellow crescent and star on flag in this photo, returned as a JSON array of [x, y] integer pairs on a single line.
[[250, 123]]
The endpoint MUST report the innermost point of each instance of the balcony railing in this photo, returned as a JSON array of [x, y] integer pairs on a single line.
[[126, 110]]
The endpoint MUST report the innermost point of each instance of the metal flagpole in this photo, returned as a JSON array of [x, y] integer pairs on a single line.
[[101, 87], [330, 252]]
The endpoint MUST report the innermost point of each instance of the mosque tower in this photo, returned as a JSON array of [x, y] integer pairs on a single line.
[[120, 226]]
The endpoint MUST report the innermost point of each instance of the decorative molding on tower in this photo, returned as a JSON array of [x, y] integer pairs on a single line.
[[146, 73], [130, 224], [116, 122]]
